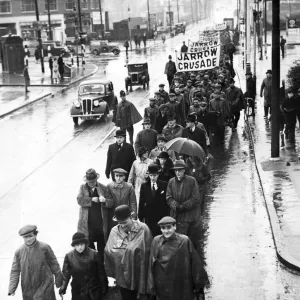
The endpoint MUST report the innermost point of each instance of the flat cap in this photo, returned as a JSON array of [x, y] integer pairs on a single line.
[[152, 99], [27, 229], [166, 221], [120, 171], [161, 85], [172, 95]]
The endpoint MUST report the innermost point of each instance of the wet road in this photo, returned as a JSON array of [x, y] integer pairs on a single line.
[[50, 157]]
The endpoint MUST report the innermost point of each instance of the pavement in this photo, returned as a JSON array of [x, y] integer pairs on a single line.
[[279, 179]]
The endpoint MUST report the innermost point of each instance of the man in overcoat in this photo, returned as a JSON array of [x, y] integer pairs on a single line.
[[146, 138], [127, 254], [164, 94], [153, 205], [152, 112], [266, 87], [121, 192], [175, 270], [37, 264], [126, 115], [251, 91], [119, 155], [94, 199], [172, 130], [170, 70]]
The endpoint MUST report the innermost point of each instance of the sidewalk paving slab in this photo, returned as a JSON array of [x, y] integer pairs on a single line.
[[279, 179]]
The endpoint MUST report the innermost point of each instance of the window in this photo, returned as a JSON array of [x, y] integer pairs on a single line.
[[94, 4], [5, 7], [28, 5], [51, 3], [84, 4], [70, 4]]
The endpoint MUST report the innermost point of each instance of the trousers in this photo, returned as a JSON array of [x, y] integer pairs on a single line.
[[130, 132], [128, 294]]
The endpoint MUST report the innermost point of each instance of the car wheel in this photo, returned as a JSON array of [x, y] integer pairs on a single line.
[[95, 52], [75, 120], [116, 52]]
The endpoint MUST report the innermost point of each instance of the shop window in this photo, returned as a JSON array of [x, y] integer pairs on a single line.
[[70, 4], [28, 5], [94, 4], [5, 6], [84, 4], [51, 3]]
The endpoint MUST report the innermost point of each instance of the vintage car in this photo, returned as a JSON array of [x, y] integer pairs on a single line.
[[95, 99], [98, 47], [179, 28], [55, 49], [137, 75]]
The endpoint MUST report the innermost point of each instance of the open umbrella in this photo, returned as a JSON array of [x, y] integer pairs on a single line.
[[186, 146]]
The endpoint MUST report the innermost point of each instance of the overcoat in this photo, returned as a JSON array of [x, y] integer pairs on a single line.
[[183, 270], [146, 138], [87, 272], [126, 115], [37, 264], [219, 111], [126, 257], [171, 133], [85, 202], [152, 208], [235, 99], [266, 87], [152, 113]]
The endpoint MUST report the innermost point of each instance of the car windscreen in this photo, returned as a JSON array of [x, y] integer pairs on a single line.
[[136, 68], [92, 88]]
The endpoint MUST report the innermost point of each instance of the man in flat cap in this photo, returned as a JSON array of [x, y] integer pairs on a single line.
[[170, 277], [127, 254], [119, 155], [266, 88], [159, 100], [152, 112], [172, 130], [152, 204], [161, 142], [121, 192], [173, 106], [170, 70], [146, 137], [126, 115], [94, 199], [37, 264], [164, 94], [251, 91]]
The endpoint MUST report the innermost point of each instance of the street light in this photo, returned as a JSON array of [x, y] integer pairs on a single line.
[[39, 35], [49, 21], [102, 27]]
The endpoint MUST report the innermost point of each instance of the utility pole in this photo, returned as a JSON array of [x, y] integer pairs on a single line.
[[197, 11], [79, 15], [192, 12], [101, 21], [255, 17], [39, 35], [49, 21], [170, 17], [248, 35], [265, 26], [275, 103], [178, 12], [149, 23], [129, 28]]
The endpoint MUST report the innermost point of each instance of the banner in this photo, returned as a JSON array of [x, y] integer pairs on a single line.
[[214, 37], [221, 26], [204, 60], [201, 46]]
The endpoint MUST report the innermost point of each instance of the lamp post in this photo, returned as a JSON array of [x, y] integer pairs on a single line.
[[39, 35], [170, 18], [192, 11], [178, 12], [49, 21], [149, 23], [79, 15], [101, 21]]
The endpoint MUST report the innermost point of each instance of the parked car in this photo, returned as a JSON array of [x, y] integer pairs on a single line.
[[137, 75], [179, 28], [95, 100], [56, 49], [101, 46]]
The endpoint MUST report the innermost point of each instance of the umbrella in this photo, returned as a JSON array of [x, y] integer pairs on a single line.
[[186, 146]]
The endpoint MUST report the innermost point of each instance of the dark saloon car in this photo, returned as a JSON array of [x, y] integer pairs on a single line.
[[137, 75]]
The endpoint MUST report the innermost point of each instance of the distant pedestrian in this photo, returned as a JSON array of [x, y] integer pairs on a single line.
[[37, 54], [139, 41], [86, 268], [184, 48], [145, 39], [55, 71], [126, 45], [37, 264], [126, 115], [251, 92], [266, 87], [170, 70], [27, 54], [51, 66], [230, 51], [282, 45], [136, 40], [61, 67], [26, 78]]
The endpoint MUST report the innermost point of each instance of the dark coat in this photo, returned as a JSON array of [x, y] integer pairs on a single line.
[[85, 202], [170, 68], [146, 138], [164, 94], [183, 271], [89, 280], [119, 158], [152, 113], [197, 136], [126, 115], [161, 122], [266, 87], [250, 88], [50, 63], [184, 48], [166, 172], [171, 133], [61, 64], [235, 99], [153, 208], [36, 264]]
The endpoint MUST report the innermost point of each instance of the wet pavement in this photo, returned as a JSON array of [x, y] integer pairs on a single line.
[[49, 157], [280, 182]]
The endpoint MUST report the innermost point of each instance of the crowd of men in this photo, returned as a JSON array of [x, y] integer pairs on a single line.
[[149, 216]]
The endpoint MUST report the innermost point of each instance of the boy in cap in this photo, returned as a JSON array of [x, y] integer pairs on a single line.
[[163, 93], [159, 100], [172, 130], [170, 70], [126, 115], [151, 112], [170, 277], [37, 264], [153, 205], [119, 155], [121, 192], [126, 256]]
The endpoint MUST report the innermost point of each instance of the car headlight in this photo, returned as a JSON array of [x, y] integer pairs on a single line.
[[96, 102], [77, 104]]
